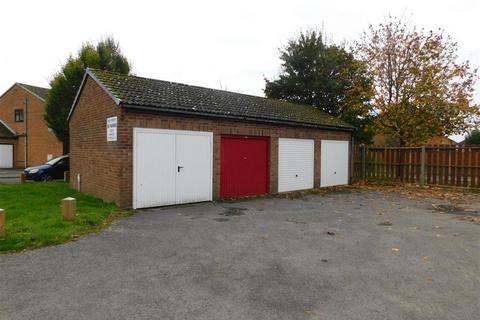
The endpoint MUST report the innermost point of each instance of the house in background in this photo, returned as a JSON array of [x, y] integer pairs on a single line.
[[25, 139], [386, 140]]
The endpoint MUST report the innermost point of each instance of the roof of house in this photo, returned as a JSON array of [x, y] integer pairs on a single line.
[[157, 95], [6, 131], [38, 91]]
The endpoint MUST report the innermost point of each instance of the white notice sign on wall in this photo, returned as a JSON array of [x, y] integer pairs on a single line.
[[112, 129]]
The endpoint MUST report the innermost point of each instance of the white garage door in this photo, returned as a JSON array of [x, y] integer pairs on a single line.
[[334, 163], [171, 167], [6, 156], [295, 164]]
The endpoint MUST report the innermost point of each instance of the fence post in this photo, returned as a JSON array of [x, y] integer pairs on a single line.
[[69, 208], [66, 176], [351, 160], [364, 165], [422, 167]]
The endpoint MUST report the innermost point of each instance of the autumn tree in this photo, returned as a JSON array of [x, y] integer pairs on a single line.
[[473, 138], [327, 77], [105, 55], [421, 88]]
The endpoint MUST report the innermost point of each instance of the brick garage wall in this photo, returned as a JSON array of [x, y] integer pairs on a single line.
[[41, 142], [107, 168], [96, 160], [132, 120]]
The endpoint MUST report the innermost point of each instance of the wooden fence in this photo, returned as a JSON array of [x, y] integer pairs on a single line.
[[433, 165]]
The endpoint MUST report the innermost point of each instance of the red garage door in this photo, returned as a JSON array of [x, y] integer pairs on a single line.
[[244, 166]]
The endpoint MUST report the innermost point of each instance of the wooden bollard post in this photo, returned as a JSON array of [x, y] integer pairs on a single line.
[[66, 176], [23, 177], [69, 208], [2, 223]]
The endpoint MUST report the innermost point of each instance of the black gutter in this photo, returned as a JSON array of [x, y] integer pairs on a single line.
[[234, 117]]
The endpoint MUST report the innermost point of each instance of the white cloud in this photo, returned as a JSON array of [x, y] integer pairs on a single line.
[[232, 44]]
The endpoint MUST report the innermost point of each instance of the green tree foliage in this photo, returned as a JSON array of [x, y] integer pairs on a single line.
[[473, 138], [421, 89], [327, 77], [105, 55]]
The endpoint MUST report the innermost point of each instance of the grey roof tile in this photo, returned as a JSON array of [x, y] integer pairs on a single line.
[[39, 91], [5, 131], [133, 91]]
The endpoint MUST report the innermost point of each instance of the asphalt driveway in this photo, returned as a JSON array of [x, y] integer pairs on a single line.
[[345, 255]]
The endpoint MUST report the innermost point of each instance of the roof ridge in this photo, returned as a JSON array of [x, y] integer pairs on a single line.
[[184, 84], [31, 85], [162, 95], [39, 92], [214, 89]]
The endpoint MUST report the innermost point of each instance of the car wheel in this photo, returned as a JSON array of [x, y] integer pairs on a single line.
[[45, 177]]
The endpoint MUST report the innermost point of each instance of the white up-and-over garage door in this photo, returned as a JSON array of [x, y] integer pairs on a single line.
[[6, 156], [334, 163], [295, 164], [171, 167]]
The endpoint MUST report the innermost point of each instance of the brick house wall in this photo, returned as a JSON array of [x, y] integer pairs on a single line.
[[40, 141], [106, 168]]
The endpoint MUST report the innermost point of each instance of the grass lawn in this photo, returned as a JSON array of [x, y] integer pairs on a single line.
[[33, 215]]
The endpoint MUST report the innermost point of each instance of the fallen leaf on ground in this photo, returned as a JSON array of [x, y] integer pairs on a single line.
[[412, 190], [385, 223], [296, 221], [438, 208], [474, 219]]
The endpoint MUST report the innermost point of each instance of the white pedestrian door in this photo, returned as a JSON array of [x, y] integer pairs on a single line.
[[194, 168], [6, 156], [295, 164], [334, 163], [171, 167]]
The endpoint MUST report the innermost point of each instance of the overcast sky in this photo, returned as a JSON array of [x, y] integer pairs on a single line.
[[220, 44]]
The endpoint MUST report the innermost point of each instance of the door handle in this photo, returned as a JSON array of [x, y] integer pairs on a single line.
[[179, 167]]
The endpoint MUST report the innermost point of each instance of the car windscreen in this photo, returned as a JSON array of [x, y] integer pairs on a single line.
[[53, 161]]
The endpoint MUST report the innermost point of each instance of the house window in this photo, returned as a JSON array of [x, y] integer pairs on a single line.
[[18, 115]]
